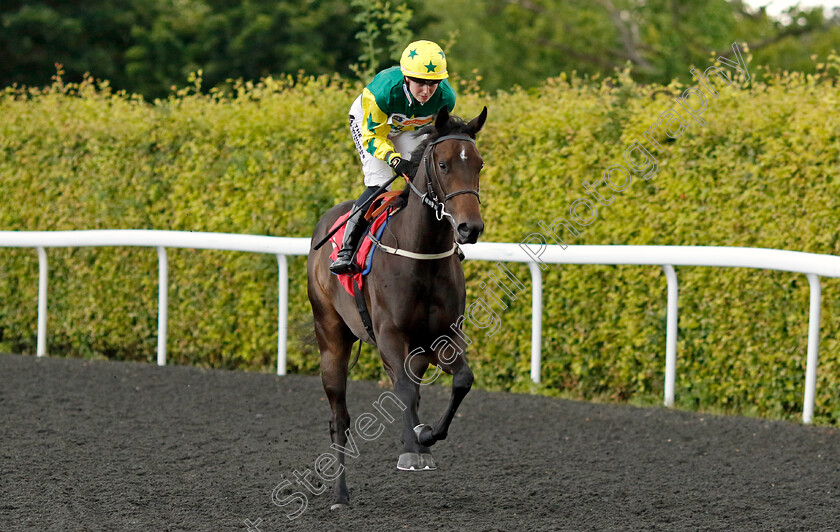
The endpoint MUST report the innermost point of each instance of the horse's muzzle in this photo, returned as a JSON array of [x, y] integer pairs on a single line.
[[468, 233]]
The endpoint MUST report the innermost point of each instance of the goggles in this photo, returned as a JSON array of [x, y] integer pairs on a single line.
[[425, 81]]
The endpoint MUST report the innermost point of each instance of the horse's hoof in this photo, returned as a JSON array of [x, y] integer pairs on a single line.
[[409, 462], [416, 462], [427, 462], [339, 506], [424, 435]]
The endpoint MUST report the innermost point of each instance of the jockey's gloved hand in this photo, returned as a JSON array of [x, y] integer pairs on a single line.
[[400, 166]]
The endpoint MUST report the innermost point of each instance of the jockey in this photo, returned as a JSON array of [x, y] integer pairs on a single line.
[[398, 101]]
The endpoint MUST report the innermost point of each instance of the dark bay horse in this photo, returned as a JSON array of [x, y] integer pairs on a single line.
[[413, 299]]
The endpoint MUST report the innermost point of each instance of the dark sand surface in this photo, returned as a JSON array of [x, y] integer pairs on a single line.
[[90, 445]]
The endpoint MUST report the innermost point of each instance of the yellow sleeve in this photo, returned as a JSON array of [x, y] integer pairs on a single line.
[[375, 129]]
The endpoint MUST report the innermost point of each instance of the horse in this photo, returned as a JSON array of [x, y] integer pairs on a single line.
[[415, 292]]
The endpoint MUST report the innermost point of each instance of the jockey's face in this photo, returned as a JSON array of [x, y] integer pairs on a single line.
[[422, 90]]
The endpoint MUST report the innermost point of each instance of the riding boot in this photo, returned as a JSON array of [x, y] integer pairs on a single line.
[[354, 229]]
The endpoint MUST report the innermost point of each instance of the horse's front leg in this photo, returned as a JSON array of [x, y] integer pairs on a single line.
[[461, 383], [406, 372]]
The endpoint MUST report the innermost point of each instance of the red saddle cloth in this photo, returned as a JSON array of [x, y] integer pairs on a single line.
[[364, 256]]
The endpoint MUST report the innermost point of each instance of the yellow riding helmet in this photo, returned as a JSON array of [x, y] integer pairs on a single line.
[[423, 60]]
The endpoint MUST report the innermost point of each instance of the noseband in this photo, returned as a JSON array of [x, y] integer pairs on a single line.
[[430, 197]]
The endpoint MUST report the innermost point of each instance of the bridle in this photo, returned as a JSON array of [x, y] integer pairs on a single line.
[[430, 197]]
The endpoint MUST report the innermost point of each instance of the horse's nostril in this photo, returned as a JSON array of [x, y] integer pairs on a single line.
[[469, 233]]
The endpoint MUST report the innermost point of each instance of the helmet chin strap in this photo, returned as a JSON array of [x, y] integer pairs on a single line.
[[407, 92]]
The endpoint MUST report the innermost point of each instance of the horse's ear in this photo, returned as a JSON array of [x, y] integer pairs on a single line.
[[477, 123], [442, 118]]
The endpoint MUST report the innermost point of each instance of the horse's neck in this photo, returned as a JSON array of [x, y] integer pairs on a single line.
[[419, 230]]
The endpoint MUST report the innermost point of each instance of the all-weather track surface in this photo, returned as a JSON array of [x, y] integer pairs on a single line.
[[97, 445]]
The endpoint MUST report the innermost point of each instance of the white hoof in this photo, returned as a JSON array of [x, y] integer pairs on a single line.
[[416, 462]]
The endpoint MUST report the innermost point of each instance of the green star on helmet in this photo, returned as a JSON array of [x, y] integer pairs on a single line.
[[441, 54], [412, 54], [430, 67]]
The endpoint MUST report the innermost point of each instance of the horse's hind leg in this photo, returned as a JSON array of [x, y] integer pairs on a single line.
[[335, 341]]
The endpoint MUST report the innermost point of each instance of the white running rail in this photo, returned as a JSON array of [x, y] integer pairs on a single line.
[[279, 246], [812, 265]]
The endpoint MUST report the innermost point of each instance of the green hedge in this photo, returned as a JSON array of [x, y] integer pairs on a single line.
[[269, 158]]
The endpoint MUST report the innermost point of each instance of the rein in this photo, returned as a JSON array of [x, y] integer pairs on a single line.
[[431, 199]]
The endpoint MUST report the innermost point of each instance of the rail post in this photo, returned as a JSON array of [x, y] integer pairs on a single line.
[[813, 349], [43, 272], [672, 317], [163, 302], [283, 312], [536, 321]]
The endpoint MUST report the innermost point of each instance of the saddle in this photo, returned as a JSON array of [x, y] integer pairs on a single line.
[[377, 215]]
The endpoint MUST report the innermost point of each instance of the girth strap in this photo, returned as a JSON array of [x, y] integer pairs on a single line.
[[361, 304]]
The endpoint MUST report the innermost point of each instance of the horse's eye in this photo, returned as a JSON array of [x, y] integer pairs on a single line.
[[442, 165]]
